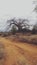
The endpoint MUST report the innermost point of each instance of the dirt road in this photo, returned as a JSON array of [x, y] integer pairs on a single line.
[[16, 53]]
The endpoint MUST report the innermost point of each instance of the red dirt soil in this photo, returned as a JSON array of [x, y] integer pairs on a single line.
[[18, 53]]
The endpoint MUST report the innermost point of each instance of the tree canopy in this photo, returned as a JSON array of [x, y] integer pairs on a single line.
[[19, 23]]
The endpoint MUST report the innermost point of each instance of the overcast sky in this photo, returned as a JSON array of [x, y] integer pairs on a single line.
[[15, 8]]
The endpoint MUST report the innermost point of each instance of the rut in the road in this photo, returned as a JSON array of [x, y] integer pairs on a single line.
[[2, 54]]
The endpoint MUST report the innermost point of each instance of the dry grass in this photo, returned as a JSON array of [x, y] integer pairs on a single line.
[[31, 38], [24, 38]]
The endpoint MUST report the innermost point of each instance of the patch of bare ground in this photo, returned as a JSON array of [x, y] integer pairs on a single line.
[[2, 54], [19, 53]]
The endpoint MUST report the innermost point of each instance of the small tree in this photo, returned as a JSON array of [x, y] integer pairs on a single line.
[[35, 2], [34, 30], [13, 30]]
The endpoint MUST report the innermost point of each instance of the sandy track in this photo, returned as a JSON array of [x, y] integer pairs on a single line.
[[18, 53]]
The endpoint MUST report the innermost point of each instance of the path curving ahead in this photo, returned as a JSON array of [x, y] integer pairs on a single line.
[[18, 53]]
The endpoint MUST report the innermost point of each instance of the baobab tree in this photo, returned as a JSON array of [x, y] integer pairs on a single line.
[[19, 23]]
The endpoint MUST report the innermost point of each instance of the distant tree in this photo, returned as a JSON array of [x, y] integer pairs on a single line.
[[19, 23], [35, 8], [35, 2], [13, 30], [35, 26], [34, 30]]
